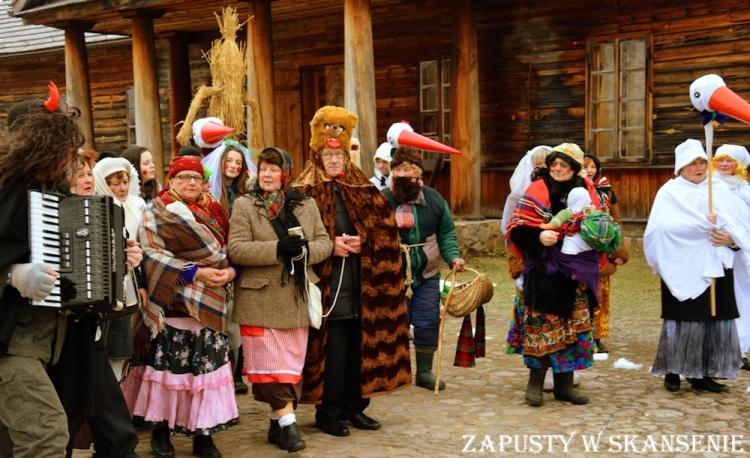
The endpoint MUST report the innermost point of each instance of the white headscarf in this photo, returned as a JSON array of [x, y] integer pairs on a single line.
[[519, 181], [134, 205], [213, 162]]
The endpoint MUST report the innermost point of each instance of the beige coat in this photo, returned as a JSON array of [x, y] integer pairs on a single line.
[[259, 298]]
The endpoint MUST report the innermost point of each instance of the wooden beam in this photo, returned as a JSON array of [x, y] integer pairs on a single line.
[[359, 77], [260, 122], [146, 89], [179, 86], [77, 86], [465, 131]]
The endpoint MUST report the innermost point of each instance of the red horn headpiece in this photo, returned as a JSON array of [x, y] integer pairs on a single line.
[[54, 98]]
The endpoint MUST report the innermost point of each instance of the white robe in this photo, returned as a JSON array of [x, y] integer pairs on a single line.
[[740, 187], [376, 180], [677, 241]]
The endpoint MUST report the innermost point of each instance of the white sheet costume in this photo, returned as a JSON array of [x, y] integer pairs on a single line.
[[678, 248]]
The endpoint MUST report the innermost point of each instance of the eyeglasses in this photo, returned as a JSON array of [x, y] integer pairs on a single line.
[[189, 178]]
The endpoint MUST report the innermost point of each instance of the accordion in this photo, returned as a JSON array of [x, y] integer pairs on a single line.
[[82, 238]]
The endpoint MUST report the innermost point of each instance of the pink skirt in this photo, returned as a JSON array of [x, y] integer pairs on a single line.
[[273, 355], [185, 380]]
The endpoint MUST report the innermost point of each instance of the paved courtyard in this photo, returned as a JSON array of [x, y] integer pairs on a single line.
[[483, 410]]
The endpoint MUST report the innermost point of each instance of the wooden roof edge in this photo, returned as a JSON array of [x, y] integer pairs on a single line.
[[18, 8]]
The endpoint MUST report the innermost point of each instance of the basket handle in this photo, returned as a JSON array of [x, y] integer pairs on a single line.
[[441, 328]]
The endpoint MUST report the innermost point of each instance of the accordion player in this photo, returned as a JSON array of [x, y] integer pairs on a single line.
[[83, 238]]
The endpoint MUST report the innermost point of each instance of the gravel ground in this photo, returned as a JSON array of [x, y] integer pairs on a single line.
[[483, 410]]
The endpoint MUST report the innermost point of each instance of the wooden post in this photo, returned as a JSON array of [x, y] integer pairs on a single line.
[[465, 132], [359, 77], [146, 89], [77, 87], [261, 131], [179, 85]]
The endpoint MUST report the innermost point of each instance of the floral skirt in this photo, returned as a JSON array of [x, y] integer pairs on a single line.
[[514, 340], [185, 379], [564, 344], [601, 315]]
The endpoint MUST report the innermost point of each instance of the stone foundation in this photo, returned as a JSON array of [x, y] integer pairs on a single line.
[[484, 238], [480, 238]]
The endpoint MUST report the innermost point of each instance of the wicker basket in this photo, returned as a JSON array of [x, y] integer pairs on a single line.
[[468, 296]]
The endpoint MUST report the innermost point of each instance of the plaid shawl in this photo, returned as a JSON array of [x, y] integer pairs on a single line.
[[535, 208], [173, 243]]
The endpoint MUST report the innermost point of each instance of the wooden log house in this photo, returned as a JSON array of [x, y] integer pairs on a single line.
[[491, 77]]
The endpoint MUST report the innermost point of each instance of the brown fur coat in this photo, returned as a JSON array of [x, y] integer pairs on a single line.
[[383, 318]]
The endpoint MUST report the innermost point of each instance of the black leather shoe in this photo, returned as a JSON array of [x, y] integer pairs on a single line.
[[290, 439], [160, 442], [745, 364], [274, 432], [203, 446], [672, 382], [707, 384], [362, 421], [240, 387], [332, 427]]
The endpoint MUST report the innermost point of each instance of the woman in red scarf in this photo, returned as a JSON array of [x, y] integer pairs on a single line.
[[184, 381], [557, 324]]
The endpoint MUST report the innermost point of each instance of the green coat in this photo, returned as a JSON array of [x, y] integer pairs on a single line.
[[433, 225]]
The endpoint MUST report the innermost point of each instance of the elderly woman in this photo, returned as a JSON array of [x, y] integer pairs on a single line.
[[528, 169], [557, 322], [730, 163], [184, 381], [688, 248], [271, 298]]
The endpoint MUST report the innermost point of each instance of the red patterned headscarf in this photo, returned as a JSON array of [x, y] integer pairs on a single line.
[[182, 163]]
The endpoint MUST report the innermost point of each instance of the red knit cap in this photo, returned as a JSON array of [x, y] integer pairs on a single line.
[[182, 163]]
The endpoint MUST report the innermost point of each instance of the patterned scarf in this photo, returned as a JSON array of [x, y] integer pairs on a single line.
[[206, 210], [274, 201], [173, 242]]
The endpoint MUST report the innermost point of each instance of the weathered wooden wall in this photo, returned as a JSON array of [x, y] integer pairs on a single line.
[[532, 64]]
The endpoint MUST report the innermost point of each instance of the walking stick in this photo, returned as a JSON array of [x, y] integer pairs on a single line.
[[709, 129], [442, 329]]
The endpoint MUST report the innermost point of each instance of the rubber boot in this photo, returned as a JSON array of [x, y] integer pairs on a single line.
[[425, 377], [534, 394], [564, 390]]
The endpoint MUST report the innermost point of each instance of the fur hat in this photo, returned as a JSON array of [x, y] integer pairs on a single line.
[[686, 152], [332, 123], [405, 154]]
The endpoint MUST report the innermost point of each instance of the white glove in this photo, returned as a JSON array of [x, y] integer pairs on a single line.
[[33, 280]]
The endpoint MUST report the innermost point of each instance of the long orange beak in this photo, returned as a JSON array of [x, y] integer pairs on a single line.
[[212, 132], [415, 140], [725, 101]]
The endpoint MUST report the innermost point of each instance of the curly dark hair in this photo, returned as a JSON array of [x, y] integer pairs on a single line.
[[36, 144]]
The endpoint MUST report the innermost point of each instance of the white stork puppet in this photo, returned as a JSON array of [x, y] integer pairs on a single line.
[[713, 99]]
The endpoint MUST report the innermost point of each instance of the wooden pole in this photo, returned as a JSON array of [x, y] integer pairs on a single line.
[[77, 86], [465, 132], [179, 86], [146, 89], [709, 130], [359, 77], [260, 83]]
